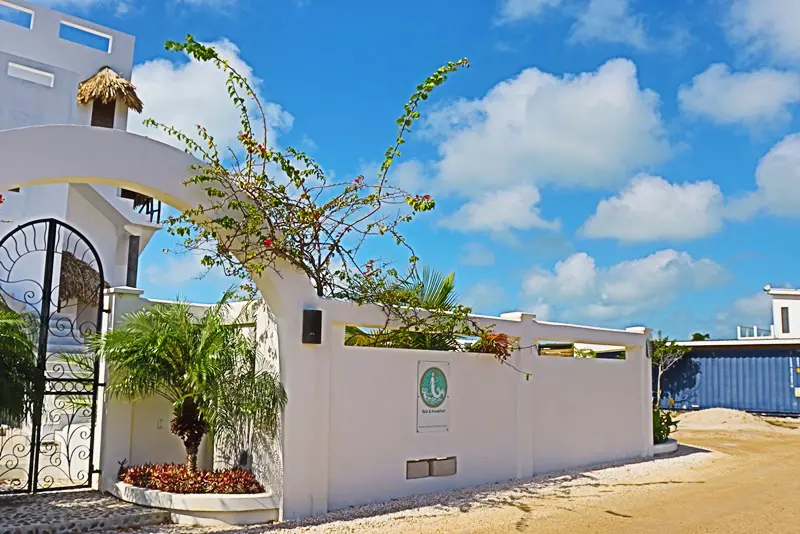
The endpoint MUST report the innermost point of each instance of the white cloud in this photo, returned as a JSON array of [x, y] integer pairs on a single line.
[[756, 307], [500, 211], [592, 129], [484, 297], [651, 208], [766, 27], [514, 10], [477, 254], [411, 175], [728, 97], [752, 310], [609, 21], [777, 181], [580, 289], [177, 270], [183, 94]]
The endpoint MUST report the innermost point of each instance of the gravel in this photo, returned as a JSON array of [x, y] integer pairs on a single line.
[[409, 514]]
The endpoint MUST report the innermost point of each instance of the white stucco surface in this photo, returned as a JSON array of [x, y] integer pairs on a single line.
[[373, 423], [586, 411]]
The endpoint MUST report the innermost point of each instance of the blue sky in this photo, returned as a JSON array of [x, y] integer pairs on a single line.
[[611, 162]]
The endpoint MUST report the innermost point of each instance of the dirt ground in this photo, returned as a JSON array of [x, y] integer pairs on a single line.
[[734, 473], [751, 487]]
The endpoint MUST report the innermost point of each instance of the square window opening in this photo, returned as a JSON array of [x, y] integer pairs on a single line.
[[16, 15]]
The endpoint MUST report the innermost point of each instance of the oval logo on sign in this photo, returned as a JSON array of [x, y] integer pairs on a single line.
[[433, 387]]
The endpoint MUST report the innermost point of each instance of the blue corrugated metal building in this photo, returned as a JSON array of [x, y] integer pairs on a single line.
[[762, 379]]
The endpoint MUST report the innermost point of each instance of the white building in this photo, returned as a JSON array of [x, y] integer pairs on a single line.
[[785, 317], [45, 56], [51, 68]]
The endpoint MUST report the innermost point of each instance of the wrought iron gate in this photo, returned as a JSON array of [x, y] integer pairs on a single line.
[[51, 274]]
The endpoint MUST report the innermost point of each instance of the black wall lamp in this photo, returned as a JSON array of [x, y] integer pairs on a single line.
[[312, 327]]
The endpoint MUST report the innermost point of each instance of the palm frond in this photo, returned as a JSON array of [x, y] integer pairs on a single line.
[[19, 375], [437, 290], [201, 362]]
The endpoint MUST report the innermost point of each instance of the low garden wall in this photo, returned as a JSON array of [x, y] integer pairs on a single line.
[[207, 510]]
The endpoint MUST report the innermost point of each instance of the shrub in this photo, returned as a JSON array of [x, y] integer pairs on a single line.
[[182, 479], [497, 344], [663, 425]]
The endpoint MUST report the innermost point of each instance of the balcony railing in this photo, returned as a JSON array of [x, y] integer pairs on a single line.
[[152, 208], [144, 204], [751, 332]]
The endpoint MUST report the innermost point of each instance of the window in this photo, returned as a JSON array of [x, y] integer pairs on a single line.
[[103, 114], [785, 320], [85, 36], [16, 15], [29, 74]]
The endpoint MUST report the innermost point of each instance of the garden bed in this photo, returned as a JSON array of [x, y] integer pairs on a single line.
[[198, 497], [206, 508]]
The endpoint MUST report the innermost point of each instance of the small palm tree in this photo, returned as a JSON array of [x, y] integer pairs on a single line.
[[205, 366], [18, 372], [429, 290]]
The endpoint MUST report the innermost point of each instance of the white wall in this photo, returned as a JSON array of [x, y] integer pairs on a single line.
[[43, 44], [585, 411], [26, 103], [793, 303], [100, 232], [373, 419], [360, 408]]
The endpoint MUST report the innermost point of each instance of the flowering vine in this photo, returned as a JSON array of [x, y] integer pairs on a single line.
[[268, 207]]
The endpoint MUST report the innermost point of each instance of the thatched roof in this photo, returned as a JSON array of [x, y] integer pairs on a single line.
[[107, 86], [78, 281]]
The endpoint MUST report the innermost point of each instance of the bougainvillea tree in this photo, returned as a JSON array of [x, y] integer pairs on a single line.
[[269, 208]]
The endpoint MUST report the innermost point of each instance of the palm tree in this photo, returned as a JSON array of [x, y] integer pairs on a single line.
[[205, 366], [429, 290], [18, 372]]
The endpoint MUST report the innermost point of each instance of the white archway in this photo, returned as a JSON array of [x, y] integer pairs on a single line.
[[83, 154], [41, 155]]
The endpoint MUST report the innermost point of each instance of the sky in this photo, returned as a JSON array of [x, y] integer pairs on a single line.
[[605, 162]]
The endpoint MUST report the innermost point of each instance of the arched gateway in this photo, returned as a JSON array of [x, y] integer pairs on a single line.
[[83, 154]]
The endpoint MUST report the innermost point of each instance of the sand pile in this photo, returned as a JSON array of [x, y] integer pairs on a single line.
[[722, 419]]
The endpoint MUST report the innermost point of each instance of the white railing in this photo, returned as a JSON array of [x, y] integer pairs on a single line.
[[750, 332]]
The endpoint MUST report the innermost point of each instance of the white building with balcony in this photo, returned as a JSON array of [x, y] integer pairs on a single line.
[[56, 69], [785, 317], [784, 330]]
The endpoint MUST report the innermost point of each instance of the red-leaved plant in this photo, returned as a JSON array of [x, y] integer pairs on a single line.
[[182, 479]]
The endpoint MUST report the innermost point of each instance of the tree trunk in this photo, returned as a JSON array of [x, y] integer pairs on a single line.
[[658, 386], [191, 457], [188, 425]]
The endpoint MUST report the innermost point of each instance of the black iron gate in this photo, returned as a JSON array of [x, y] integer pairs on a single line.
[[51, 274]]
